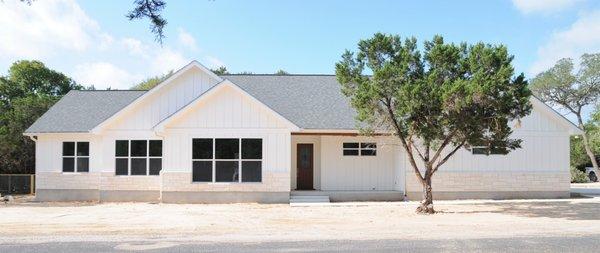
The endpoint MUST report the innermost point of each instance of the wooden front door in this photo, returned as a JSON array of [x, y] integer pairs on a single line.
[[304, 167]]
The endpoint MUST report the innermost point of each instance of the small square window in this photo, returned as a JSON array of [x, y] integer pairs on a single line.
[[138, 166], [251, 148], [138, 148], [68, 164], [251, 171], [83, 164], [122, 148], [155, 166], [121, 165], [202, 171], [227, 148], [68, 149], [83, 148], [155, 148], [202, 149], [227, 171]]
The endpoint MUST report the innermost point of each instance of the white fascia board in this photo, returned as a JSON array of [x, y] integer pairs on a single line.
[[160, 127], [184, 69]]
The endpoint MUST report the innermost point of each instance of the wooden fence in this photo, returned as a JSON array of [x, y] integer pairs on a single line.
[[17, 183]]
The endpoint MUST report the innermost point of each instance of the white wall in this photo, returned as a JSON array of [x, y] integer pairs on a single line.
[[165, 102], [227, 114], [48, 151], [367, 173]]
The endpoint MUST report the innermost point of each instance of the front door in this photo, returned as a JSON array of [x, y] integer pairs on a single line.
[[304, 167]]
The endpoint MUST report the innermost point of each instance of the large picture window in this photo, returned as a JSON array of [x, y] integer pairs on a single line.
[[75, 156], [138, 157], [227, 160]]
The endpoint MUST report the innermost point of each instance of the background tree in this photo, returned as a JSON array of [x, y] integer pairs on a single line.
[[560, 86], [220, 71], [152, 81], [450, 97], [281, 72], [26, 93], [579, 157]]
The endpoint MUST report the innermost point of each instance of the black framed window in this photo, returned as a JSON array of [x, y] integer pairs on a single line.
[[484, 150], [227, 160], [138, 157], [359, 148], [75, 156]]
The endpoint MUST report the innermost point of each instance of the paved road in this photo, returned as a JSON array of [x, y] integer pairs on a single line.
[[588, 243]]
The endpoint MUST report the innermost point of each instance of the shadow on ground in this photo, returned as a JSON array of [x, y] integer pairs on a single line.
[[551, 209]]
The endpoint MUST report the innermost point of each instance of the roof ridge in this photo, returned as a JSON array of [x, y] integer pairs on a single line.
[[106, 90], [278, 75]]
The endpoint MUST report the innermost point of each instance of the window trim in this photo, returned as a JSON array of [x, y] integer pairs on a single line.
[[359, 149], [214, 161], [74, 156], [129, 157]]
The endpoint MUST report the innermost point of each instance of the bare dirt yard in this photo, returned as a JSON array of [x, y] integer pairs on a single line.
[[260, 223]]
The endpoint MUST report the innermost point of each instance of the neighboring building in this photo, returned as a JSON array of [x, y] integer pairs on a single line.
[[202, 138]]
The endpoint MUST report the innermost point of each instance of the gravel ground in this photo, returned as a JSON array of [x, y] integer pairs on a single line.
[[26, 222]]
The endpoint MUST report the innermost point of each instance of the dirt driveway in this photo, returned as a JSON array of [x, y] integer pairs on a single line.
[[255, 222]]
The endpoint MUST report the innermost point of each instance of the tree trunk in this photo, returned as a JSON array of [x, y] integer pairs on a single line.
[[586, 144], [426, 206]]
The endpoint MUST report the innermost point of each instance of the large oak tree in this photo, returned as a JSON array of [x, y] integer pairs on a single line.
[[436, 102]]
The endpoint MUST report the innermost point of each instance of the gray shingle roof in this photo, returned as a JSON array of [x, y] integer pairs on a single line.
[[81, 111], [309, 101]]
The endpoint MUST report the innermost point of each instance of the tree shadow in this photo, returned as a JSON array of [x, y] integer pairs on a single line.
[[547, 209]]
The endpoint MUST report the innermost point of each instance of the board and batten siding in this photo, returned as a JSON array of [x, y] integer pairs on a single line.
[[360, 173], [227, 114], [170, 98]]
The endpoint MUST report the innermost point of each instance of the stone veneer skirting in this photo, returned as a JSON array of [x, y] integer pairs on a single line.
[[177, 187], [492, 185]]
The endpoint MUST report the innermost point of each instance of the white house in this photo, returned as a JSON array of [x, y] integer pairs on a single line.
[[202, 138]]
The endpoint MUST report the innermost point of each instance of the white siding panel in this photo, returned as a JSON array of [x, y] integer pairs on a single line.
[[48, 151], [356, 173], [168, 100]]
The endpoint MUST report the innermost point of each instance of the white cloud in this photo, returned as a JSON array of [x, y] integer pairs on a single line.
[[166, 60], [213, 62], [187, 39], [103, 75], [581, 37], [135, 47], [36, 30], [543, 6]]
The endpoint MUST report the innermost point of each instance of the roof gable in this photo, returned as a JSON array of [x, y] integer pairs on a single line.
[[156, 90], [227, 86]]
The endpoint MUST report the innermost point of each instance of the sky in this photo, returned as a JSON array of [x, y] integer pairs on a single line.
[[94, 43]]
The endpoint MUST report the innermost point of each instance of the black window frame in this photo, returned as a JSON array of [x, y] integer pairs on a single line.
[[240, 158], [75, 157], [357, 148], [149, 159]]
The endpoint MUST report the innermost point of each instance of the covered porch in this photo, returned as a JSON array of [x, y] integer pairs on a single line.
[[346, 167]]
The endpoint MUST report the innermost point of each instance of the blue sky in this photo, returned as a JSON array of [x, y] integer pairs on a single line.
[[93, 42]]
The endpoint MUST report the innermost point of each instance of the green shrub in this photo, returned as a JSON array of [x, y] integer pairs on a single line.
[[578, 176]]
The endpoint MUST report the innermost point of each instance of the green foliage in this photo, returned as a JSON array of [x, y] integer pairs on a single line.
[[29, 90], [220, 71], [579, 158], [281, 72], [561, 86], [578, 176], [437, 101], [152, 82]]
